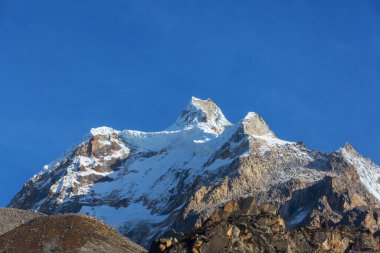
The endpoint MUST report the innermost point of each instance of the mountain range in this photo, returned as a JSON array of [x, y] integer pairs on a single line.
[[153, 184]]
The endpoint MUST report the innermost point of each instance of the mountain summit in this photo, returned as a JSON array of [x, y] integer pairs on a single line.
[[203, 114], [148, 184]]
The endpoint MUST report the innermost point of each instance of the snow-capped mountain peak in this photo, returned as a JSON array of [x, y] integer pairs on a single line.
[[103, 131], [202, 114]]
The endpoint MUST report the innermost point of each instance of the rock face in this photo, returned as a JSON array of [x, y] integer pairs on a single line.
[[243, 226], [65, 233], [146, 184]]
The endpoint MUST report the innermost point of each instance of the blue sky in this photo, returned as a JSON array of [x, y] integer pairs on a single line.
[[310, 68]]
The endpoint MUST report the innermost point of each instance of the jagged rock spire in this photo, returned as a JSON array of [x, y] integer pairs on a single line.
[[254, 124]]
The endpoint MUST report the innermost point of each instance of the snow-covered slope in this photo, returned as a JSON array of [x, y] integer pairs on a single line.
[[368, 171], [148, 183]]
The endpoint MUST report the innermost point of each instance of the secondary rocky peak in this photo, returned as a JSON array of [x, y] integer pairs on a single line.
[[204, 114], [350, 153], [349, 148], [254, 124]]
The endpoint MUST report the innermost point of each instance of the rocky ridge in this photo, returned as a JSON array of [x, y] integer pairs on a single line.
[[147, 184], [244, 226]]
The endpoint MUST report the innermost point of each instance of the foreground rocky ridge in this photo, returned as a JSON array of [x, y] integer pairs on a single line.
[[243, 226], [60, 233], [146, 184]]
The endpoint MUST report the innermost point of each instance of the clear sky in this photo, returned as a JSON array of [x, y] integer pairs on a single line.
[[310, 68]]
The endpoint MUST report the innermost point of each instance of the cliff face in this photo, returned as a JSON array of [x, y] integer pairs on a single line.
[[147, 184], [244, 226]]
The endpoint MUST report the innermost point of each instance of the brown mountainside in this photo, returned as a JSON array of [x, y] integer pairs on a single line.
[[65, 233]]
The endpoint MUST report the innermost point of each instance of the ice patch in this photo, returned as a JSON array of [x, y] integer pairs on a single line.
[[297, 217]]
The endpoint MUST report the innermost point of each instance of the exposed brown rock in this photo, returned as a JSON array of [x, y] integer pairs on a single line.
[[232, 229]]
